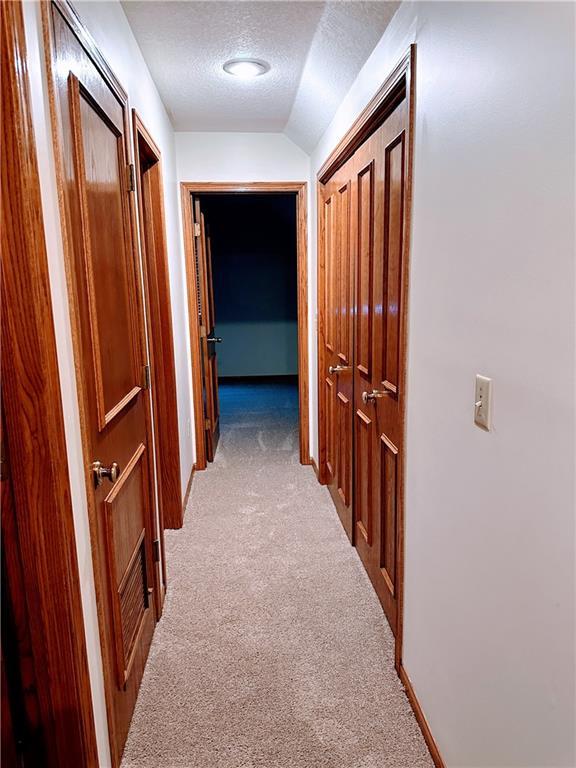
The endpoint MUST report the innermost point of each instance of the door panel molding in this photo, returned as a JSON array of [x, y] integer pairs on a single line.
[[187, 190]]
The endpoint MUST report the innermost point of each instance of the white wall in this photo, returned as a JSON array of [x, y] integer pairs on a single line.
[[247, 157], [108, 25], [489, 625]]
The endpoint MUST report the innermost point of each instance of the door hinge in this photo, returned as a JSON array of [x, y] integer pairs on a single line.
[[131, 178], [146, 376], [207, 424], [197, 231], [156, 550]]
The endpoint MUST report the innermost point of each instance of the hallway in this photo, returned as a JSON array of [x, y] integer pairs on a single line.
[[251, 664]]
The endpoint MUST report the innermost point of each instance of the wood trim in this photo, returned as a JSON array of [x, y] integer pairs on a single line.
[[408, 67], [320, 335], [248, 186], [188, 489], [89, 44], [421, 718], [303, 372], [373, 115], [35, 429], [160, 333], [187, 189], [194, 328], [314, 467]]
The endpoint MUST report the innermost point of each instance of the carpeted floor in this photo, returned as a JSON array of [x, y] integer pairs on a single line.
[[273, 651]]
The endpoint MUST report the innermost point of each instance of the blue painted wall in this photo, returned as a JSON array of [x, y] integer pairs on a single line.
[[255, 287]]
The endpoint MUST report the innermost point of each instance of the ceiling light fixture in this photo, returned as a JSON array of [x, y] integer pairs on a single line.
[[246, 69]]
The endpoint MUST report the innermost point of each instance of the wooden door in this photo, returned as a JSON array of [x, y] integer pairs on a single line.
[[208, 341], [379, 365], [92, 128], [337, 340]]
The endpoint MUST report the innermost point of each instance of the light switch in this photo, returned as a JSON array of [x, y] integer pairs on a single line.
[[483, 402]]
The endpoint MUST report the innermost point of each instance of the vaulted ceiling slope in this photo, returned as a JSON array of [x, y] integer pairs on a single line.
[[315, 49]]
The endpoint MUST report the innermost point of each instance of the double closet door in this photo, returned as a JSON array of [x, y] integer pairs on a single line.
[[362, 343]]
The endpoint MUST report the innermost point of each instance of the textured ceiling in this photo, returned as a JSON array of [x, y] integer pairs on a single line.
[[315, 49]]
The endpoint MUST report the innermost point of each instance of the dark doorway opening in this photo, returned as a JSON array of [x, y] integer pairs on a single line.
[[252, 240]]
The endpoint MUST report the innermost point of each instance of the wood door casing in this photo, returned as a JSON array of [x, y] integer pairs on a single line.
[[160, 330], [188, 191], [90, 118], [205, 293], [43, 517]]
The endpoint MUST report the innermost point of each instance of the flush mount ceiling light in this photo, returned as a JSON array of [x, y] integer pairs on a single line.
[[246, 69]]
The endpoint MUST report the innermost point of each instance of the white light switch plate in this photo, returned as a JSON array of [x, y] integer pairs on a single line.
[[483, 402]]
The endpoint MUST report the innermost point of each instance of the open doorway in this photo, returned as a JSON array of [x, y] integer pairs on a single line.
[[246, 268]]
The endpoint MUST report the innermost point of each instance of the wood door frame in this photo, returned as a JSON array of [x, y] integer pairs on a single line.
[[32, 405], [187, 190], [158, 306], [99, 559], [398, 85]]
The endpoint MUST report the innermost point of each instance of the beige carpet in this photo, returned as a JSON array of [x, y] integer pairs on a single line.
[[273, 651]]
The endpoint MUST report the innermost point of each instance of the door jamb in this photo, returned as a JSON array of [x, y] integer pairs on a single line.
[[158, 307], [187, 189]]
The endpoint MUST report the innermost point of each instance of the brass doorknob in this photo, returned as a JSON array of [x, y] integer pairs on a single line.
[[338, 368], [99, 472], [370, 397]]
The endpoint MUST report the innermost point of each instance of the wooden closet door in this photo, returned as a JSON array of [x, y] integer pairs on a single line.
[[379, 365], [338, 340]]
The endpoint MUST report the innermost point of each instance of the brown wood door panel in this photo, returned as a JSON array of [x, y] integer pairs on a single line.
[[90, 118], [365, 226], [110, 280], [330, 432], [336, 356], [127, 560], [344, 429], [393, 272], [345, 276], [389, 511], [363, 465]]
